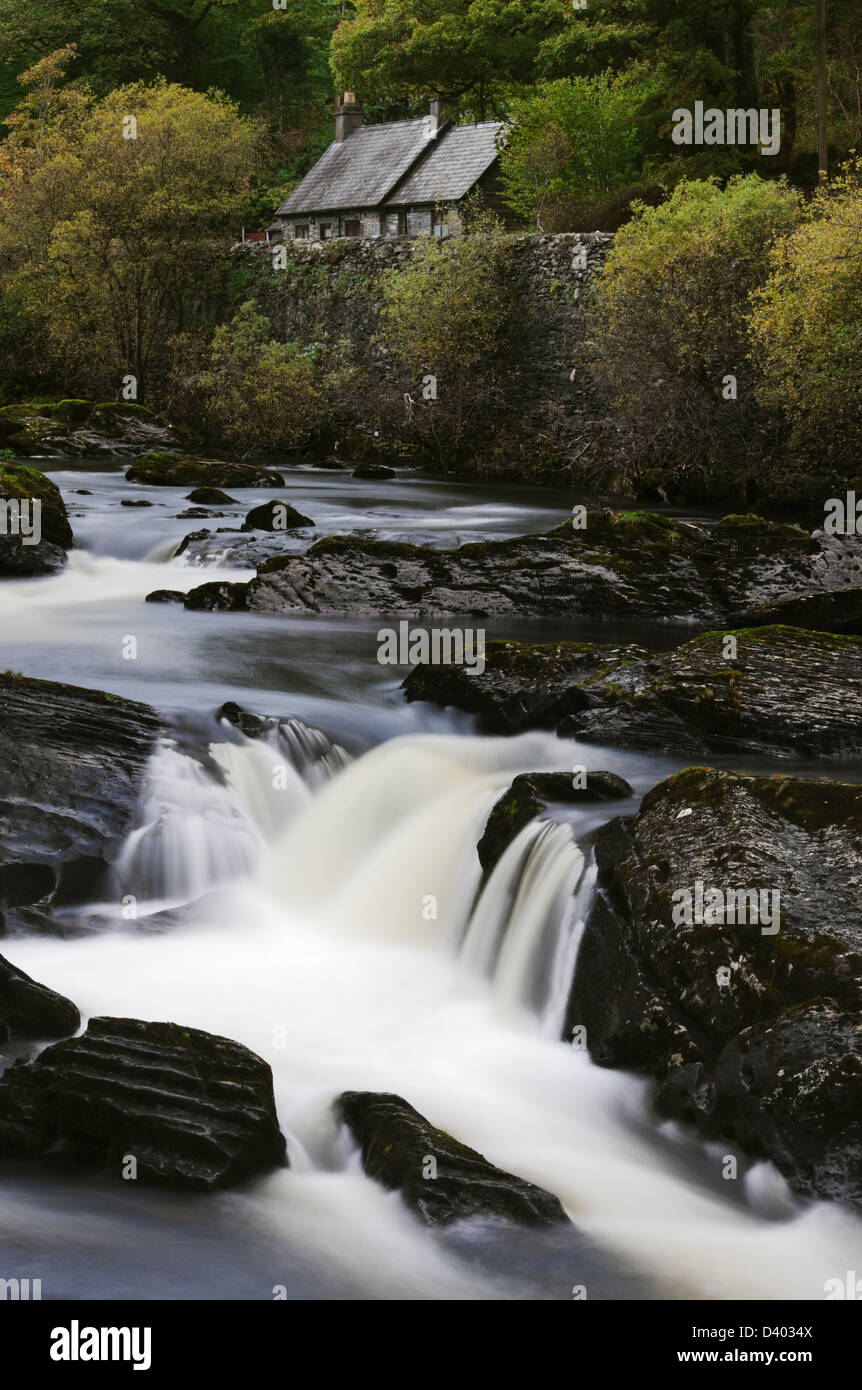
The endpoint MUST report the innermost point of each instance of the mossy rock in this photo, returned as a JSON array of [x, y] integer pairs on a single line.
[[162, 469], [275, 516], [20, 481]]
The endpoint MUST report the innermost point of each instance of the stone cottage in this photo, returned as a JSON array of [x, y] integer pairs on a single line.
[[390, 180]]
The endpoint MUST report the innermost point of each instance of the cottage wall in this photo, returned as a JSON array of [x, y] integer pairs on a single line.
[[330, 294]]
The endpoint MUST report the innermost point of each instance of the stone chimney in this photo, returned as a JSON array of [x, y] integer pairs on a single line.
[[435, 107], [348, 116]]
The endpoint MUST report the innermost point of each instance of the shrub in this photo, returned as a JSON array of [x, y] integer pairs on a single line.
[[806, 326], [670, 325]]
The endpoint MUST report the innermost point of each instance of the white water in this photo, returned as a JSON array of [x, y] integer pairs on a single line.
[[317, 952]]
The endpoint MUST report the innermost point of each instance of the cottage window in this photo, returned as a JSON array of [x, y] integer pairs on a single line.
[[353, 227], [301, 231], [326, 231]]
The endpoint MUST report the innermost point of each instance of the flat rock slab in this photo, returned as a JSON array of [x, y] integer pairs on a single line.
[[192, 1109], [693, 1002], [621, 565], [397, 1143], [782, 691]]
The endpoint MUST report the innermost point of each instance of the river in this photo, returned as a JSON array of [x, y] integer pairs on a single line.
[[283, 901]]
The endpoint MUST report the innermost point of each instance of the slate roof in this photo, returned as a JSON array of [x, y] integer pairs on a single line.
[[450, 169], [359, 172]]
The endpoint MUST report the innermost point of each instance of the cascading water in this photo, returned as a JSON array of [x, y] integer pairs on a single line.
[[323, 957]]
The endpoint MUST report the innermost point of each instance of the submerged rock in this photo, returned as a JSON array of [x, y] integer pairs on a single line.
[[218, 596], [166, 596], [73, 762], [782, 691], [191, 1109], [621, 565], [31, 1010], [210, 497], [752, 1027], [373, 471], [397, 1144], [530, 794], [160, 469], [275, 516]]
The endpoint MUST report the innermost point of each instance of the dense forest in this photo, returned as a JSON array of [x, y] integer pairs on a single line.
[[140, 139]]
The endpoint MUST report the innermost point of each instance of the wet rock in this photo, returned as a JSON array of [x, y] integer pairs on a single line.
[[217, 597], [20, 561], [837, 611], [74, 428], [397, 1142], [275, 516], [31, 1010], [166, 596], [690, 998], [792, 1090], [783, 691], [162, 469], [135, 502], [622, 565], [530, 794], [73, 762], [523, 686], [210, 497], [192, 1109], [374, 471], [20, 481]]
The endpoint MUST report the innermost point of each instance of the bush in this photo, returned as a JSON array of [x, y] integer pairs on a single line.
[[671, 325], [572, 143], [447, 315], [259, 394], [806, 326]]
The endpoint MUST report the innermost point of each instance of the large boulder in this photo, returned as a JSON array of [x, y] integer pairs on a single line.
[[31, 1010], [750, 1020], [772, 691], [621, 564], [160, 469], [397, 1145], [20, 486], [523, 685], [275, 516], [73, 763], [193, 1110]]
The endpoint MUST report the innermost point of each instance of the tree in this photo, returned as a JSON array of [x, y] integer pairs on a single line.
[[572, 139], [111, 215], [806, 328], [446, 317], [259, 393], [670, 324], [468, 51]]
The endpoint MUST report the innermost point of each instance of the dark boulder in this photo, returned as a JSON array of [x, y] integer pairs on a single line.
[[20, 482], [838, 610], [73, 763], [670, 989], [523, 686], [218, 596], [161, 469], [20, 561], [31, 1010], [210, 497], [275, 516], [135, 502], [192, 1109], [530, 794], [398, 1145], [166, 596], [373, 471], [782, 691]]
